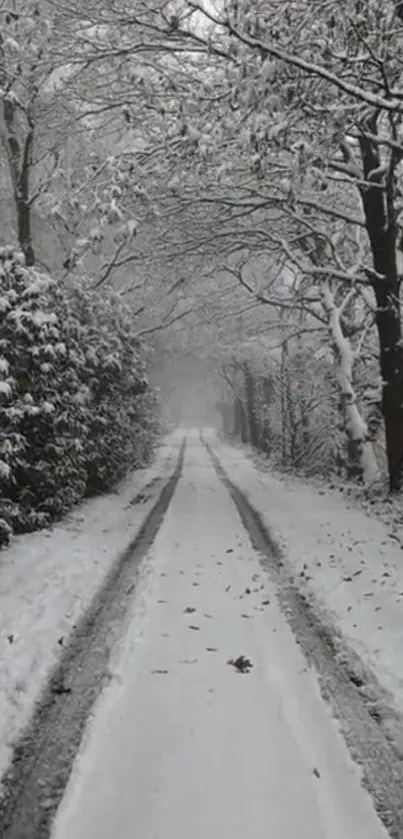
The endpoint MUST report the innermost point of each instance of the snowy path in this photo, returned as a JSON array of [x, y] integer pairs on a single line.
[[181, 745]]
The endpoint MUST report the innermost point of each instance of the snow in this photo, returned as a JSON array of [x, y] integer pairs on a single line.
[[346, 357], [5, 389], [348, 562], [180, 744], [48, 578], [5, 470]]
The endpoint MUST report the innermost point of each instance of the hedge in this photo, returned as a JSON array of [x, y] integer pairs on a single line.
[[76, 410]]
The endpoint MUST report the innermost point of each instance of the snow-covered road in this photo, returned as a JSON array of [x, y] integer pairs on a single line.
[[183, 746]]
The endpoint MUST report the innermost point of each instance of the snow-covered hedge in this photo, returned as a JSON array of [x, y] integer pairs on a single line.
[[76, 411]]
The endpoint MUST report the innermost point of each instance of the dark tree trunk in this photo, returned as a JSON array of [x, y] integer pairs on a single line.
[[241, 422], [267, 393], [399, 8], [251, 406], [381, 227], [24, 230], [283, 403], [391, 360], [20, 158], [23, 202], [227, 419], [244, 423], [241, 425]]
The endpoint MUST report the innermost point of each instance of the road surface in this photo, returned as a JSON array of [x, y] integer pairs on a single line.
[[181, 745]]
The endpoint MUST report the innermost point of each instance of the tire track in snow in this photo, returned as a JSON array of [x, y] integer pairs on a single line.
[[382, 767], [34, 785]]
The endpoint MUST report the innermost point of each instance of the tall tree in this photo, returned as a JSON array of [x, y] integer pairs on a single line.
[[319, 91]]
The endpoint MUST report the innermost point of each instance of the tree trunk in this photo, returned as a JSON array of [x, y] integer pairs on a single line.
[[24, 230], [225, 412], [360, 445], [284, 353], [267, 396], [250, 404], [244, 423], [391, 362], [241, 425], [20, 159], [380, 220]]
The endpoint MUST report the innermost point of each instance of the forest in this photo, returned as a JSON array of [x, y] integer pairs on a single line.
[[218, 182]]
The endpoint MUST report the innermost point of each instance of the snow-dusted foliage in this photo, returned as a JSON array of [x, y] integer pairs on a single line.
[[75, 408], [290, 412], [293, 141], [304, 423], [288, 403]]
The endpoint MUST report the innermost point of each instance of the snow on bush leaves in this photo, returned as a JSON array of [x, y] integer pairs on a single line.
[[75, 408]]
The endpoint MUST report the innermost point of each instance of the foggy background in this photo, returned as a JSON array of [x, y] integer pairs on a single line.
[[189, 393]]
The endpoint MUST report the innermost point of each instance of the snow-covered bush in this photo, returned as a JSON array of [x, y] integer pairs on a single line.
[[75, 408]]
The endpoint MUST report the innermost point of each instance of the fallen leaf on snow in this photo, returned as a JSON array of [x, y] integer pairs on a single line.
[[60, 690], [242, 664]]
